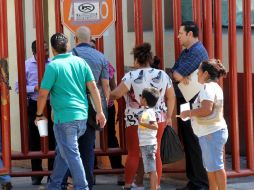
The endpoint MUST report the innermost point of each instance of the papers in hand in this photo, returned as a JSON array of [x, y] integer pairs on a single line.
[[191, 89], [185, 107]]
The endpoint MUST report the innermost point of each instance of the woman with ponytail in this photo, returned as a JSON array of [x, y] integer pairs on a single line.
[[208, 122]]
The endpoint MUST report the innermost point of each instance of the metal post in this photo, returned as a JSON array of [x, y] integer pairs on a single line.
[[100, 44], [158, 31], [4, 89], [196, 5], [233, 85], [59, 26], [248, 102], [218, 32], [21, 75], [40, 54], [120, 68], [177, 12], [3, 29], [208, 29], [138, 21], [40, 39]]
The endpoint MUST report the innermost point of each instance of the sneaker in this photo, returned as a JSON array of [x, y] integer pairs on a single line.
[[7, 186], [135, 187]]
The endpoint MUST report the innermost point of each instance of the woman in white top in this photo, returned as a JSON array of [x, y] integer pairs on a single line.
[[131, 88], [208, 122]]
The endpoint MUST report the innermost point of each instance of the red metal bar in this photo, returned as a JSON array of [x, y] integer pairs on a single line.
[[233, 85], [100, 44], [242, 173], [40, 39], [4, 91], [248, 102], [5, 124], [208, 29], [21, 75], [3, 29], [33, 173], [230, 174], [46, 173], [218, 32], [33, 154], [177, 13], [5, 109], [138, 21], [40, 53], [120, 68], [196, 6], [158, 31], [169, 170], [103, 134], [59, 26], [111, 151]]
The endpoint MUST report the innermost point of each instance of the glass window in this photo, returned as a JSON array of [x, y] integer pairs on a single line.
[[239, 12], [186, 10]]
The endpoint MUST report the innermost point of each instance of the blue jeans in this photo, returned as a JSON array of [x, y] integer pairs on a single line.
[[68, 156], [86, 148]]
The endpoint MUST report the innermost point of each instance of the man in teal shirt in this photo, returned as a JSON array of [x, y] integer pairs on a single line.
[[67, 78]]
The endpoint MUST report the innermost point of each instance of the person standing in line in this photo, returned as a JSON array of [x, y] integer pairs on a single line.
[[115, 161], [99, 67], [147, 131], [131, 88], [31, 69], [67, 79], [188, 61], [208, 122]]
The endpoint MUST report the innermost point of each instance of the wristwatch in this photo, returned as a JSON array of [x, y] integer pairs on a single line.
[[39, 115]]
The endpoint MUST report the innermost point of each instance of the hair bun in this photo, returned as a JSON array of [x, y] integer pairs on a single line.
[[146, 47]]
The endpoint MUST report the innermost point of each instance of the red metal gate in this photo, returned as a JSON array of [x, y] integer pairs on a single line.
[[208, 16], [4, 90]]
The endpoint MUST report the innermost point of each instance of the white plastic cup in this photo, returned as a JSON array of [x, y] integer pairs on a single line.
[[43, 127]]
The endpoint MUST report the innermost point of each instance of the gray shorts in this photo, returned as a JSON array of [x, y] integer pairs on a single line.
[[149, 159]]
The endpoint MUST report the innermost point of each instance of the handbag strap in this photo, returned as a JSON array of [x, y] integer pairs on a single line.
[[75, 52]]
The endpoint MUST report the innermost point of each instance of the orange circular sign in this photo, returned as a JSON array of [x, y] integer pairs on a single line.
[[98, 15]]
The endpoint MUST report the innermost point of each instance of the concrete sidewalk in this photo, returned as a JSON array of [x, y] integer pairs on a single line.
[[108, 182]]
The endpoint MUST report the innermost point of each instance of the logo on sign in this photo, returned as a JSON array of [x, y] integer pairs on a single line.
[[86, 7]]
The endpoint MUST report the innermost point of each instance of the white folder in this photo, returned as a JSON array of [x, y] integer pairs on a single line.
[[191, 89]]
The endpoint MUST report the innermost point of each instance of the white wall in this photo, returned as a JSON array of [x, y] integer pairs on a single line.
[[14, 102], [29, 26]]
